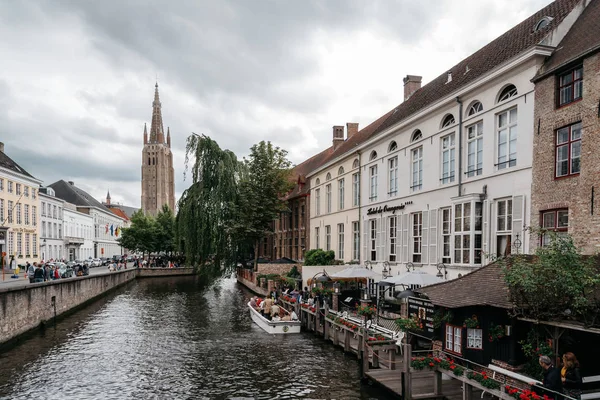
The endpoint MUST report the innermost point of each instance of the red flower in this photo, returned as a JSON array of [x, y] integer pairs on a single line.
[[452, 366], [507, 387], [431, 364]]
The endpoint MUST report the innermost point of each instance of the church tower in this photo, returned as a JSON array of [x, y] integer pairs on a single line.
[[158, 176]]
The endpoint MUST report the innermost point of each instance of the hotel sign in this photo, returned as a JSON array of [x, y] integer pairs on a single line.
[[422, 310], [386, 208]]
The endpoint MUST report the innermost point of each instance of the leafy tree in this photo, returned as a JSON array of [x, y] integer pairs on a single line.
[[165, 230], [265, 180], [319, 257], [141, 235], [558, 283]]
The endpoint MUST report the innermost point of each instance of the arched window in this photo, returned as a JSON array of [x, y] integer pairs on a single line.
[[544, 22], [393, 146], [328, 177], [448, 120], [373, 155], [341, 171], [355, 163], [417, 135], [318, 182], [148, 160], [476, 107], [508, 92]]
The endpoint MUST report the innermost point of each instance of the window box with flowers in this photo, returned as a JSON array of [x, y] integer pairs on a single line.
[[471, 323], [420, 363], [366, 310]]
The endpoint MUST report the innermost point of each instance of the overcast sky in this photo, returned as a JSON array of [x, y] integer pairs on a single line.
[[77, 77]]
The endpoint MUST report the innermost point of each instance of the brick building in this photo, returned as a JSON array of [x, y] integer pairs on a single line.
[[566, 149]]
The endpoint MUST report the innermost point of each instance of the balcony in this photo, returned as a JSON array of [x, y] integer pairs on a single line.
[[78, 241]]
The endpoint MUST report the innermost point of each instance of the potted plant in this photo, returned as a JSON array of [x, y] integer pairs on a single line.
[[471, 323]]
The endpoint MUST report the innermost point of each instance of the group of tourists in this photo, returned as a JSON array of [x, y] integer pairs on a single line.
[[41, 272], [567, 380], [272, 309]]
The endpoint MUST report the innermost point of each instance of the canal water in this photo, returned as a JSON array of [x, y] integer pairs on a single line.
[[174, 338]]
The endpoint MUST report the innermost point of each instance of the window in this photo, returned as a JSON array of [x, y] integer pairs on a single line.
[[446, 235], [393, 236], [393, 176], [43, 229], [27, 245], [10, 212], [373, 239], [508, 92], [59, 231], [474, 149], [1, 185], [356, 240], [341, 194], [34, 243], [417, 236], [20, 244], [54, 213], [2, 210], [43, 209], [373, 155], [317, 238], [507, 139], [393, 146], [18, 208], [318, 181], [373, 181], [503, 227], [328, 198], [454, 339], [355, 189], [417, 169], [341, 171], [475, 338], [26, 191], [328, 237], [355, 164], [568, 150], [33, 196], [570, 86], [10, 187], [448, 121], [468, 232], [11, 242], [448, 157], [340, 242], [318, 201], [544, 22], [475, 108], [26, 212], [328, 177], [416, 135], [554, 221], [34, 215], [18, 187]]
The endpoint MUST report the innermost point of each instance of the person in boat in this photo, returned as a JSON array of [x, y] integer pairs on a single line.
[[268, 303], [275, 310], [253, 302], [276, 318], [286, 318], [294, 316]]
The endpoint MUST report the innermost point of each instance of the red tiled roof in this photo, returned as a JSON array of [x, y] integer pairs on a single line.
[[118, 212], [582, 39]]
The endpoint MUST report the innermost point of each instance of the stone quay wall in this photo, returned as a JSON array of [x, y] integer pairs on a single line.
[[23, 309]]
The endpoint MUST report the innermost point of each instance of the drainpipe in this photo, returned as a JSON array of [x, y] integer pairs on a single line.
[[460, 147]]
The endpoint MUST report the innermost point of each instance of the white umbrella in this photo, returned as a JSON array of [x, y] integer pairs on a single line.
[[356, 271], [413, 278]]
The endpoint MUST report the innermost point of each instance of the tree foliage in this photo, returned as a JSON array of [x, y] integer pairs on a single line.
[[319, 257], [148, 234], [558, 283]]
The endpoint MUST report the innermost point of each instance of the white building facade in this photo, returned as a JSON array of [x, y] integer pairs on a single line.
[[78, 233], [51, 229], [107, 227]]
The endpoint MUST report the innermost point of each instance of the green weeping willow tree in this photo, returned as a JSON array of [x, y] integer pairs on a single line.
[[207, 209]]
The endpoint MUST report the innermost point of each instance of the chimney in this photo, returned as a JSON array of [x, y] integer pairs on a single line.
[[449, 77], [1, 147], [412, 83], [351, 129], [71, 183], [338, 136]]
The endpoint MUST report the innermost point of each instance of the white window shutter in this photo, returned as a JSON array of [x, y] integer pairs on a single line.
[[485, 233], [518, 209], [365, 256], [425, 239], [405, 222], [433, 236]]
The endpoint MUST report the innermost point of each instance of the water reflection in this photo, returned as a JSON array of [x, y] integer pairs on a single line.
[[174, 339]]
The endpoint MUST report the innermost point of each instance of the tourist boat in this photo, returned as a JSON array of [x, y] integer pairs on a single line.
[[274, 327]]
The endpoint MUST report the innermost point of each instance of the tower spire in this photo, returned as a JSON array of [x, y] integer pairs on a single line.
[[108, 197], [168, 136], [156, 127], [145, 134]]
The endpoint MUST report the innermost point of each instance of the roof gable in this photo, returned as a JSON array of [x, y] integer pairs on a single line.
[[10, 164], [74, 195]]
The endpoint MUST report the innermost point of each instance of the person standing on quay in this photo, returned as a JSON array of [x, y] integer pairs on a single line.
[[552, 381], [570, 376], [38, 275]]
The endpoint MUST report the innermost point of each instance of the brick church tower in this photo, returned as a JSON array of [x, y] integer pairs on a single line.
[[158, 176]]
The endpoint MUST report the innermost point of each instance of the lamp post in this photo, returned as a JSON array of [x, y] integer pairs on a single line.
[[440, 267], [44, 252], [517, 243], [409, 266]]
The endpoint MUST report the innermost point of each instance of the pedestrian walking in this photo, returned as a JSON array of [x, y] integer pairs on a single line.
[[38, 274], [570, 376], [31, 272], [552, 381]]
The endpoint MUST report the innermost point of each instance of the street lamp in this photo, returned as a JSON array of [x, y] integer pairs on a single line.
[[410, 266], [369, 265], [322, 278], [44, 252], [440, 267], [336, 287], [385, 271], [517, 243]]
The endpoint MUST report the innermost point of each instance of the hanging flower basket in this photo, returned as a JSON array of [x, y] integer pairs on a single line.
[[366, 310], [496, 332], [471, 323]]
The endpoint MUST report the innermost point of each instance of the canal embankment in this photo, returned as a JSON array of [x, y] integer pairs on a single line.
[[25, 308]]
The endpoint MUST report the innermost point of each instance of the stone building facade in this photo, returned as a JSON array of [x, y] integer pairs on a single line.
[[158, 176], [566, 146]]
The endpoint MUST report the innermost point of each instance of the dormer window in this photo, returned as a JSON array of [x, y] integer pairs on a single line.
[[508, 92], [448, 121], [393, 146], [476, 107], [544, 22], [417, 135], [373, 155]]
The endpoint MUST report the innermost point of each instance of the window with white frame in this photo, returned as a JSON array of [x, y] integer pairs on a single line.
[[355, 189], [318, 201], [448, 158], [475, 149], [468, 232], [373, 239], [9, 211], [1, 185], [26, 191], [11, 243], [417, 236], [454, 339], [26, 212], [340, 254], [568, 150], [475, 338], [506, 138], [373, 183], [18, 187], [34, 243], [503, 227], [19, 244], [34, 215], [475, 108], [393, 237], [43, 209], [18, 209], [27, 245], [356, 240], [446, 235], [328, 198], [417, 169], [33, 193], [2, 210], [317, 238], [393, 176], [10, 187], [43, 229], [341, 193], [327, 237]]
